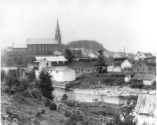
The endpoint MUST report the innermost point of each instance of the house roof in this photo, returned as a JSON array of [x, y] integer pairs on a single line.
[[42, 41], [117, 64], [148, 54], [149, 77], [143, 76], [57, 53], [119, 59], [20, 46], [52, 58], [57, 68]]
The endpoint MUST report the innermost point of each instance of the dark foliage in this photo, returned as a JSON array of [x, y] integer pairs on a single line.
[[69, 56], [101, 66], [53, 106], [46, 85], [64, 97]]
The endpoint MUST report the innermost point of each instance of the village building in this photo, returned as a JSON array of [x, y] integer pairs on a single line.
[[146, 79], [61, 73], [142, 56], [140, 66], [40, 45], [120, 64], [117, 55]]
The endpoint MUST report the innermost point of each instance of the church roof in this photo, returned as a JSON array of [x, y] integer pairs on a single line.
[[42, 41], [20, 46]]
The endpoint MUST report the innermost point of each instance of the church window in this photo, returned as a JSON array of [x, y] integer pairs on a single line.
[[43, 48], [46, 48], [30, 48], [39, 48], [49, 48]]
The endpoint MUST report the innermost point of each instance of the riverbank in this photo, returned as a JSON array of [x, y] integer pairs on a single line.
[[113, 91]]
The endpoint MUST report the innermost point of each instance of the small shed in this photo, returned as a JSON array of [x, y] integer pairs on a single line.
[[61, 73]]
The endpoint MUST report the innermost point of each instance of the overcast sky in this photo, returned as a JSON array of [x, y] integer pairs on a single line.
[[114, 23]]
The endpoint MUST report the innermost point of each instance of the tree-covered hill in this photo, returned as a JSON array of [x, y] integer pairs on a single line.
[[88, 44]]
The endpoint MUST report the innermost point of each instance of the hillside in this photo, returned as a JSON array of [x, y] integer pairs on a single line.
[[88, 44]]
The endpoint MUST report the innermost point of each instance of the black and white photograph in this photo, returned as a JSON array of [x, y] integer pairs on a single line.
[[78, 62]]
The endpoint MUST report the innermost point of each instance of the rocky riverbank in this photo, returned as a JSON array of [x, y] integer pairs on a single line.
[[113, 91]]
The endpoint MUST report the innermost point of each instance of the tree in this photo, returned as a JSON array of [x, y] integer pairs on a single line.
[[101, 63], [69, 56], [45, 84]]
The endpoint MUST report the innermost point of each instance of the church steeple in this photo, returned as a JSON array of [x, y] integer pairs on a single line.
[[58, 33]]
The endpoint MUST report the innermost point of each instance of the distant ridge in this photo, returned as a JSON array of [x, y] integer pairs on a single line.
[[87, 44]]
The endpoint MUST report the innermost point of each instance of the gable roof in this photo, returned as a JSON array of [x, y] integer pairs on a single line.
[[57, 68], [139, 76], [52, 58], [148, 54], [138, 62], [42, 41], [149, 77], [119, 59]]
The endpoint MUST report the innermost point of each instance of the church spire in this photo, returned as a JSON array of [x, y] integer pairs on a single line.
[[58, 33], [57, 28]]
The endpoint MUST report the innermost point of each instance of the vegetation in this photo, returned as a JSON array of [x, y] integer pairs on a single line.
[[88, 44], [64, 97], [101, 66], [69, 56], [124, 116], [46, 84]]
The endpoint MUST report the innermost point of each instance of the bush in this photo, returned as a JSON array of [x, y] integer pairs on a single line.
[[53, 106], [70, 103], [137, 85], [64, 97], [43, 111], [47, 102]]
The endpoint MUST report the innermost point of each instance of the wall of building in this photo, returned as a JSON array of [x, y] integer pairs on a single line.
[[140, 67], [126, 63]]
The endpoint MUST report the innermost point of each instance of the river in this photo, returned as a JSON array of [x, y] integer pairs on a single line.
[[58, 93]]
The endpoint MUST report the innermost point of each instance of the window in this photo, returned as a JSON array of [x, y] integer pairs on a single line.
[[43, 48], [137, 69], [47, 64], [56, 71], [46, 48], [140, 64], [30, 48], [143, 69]]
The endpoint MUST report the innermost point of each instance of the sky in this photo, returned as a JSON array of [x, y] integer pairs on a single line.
[[114, 23]]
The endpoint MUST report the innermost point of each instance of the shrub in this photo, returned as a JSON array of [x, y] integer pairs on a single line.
[[64, 97], [43, 111], [70, 103], [38, 114], [53, 106], [47, 102]]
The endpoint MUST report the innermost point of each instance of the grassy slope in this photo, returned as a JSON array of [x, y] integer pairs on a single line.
[[25, 111]]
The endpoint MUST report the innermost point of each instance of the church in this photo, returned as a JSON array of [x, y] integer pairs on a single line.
[[40, 45]]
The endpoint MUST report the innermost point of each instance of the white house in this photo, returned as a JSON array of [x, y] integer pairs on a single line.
[[42, 63], [140, 55], [117, 55], [61, 74], [110, 68], [92, 55], [126, 64]]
